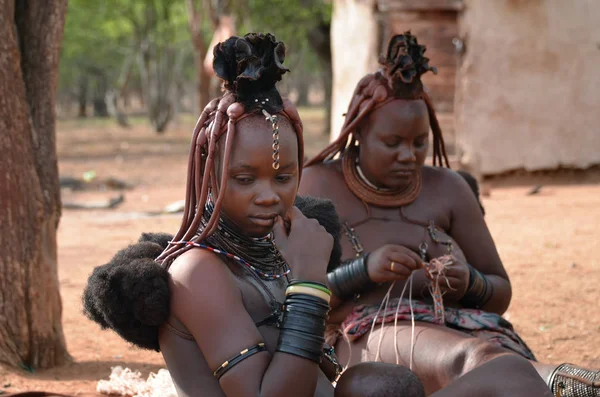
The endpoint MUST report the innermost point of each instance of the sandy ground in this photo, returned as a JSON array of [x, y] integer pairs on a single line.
[[548, 243]]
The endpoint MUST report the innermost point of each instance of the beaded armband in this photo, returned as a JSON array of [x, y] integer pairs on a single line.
[[244, 354]]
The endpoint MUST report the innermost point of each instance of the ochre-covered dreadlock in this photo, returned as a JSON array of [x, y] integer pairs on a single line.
[[249, 67], [399, 78]]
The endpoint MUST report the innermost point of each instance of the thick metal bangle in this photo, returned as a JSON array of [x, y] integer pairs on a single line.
[[351, 277], [479, 292]]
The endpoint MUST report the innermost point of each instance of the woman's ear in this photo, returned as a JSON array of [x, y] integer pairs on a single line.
[[358, 134]]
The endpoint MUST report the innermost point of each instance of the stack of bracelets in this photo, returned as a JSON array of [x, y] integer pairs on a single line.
[[350, 278], [479, 291], [302, 330], [304, 319]]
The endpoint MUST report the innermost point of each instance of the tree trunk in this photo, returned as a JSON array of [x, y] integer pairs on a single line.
[[82, 96], [352, 21], [114, 110], [328, 88], [100, 91], [202, 79], [31, 333], [156, 70], [303, 88], [113, 94], [200, 48], [320, 40]]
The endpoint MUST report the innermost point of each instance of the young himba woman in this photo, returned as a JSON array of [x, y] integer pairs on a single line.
[[411, 224]]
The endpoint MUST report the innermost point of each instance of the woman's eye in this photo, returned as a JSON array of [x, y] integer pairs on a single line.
[[391, 144], [244, 179], [283, 178], [420, 142]]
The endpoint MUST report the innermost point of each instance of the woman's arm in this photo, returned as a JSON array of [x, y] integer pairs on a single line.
[[316, 181], [469, 230], [207, 301]]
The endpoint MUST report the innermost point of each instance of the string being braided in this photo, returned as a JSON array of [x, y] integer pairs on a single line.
[[435, 270]]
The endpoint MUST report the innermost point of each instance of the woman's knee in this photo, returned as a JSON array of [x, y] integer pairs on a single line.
[[472, 353], [505, 375], [379, 380]]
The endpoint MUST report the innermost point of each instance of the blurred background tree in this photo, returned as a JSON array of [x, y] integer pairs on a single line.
[[152, 57]]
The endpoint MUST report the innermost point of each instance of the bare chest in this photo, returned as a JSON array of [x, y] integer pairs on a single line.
[[420, 227]]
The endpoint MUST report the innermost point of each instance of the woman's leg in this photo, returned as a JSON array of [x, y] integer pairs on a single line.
[[441, 355], [544, 370], [505, 376]]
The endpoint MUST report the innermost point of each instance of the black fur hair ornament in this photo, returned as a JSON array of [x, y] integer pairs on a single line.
[[250, 66], [130, 294]]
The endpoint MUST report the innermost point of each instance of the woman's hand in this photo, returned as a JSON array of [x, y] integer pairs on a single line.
[[306, 247], [455, 284], [392, 262]]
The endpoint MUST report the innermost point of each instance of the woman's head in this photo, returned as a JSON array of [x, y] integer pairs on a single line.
[[393, 141], [384, 140], [256, 191], [396, 88], [235, 141]]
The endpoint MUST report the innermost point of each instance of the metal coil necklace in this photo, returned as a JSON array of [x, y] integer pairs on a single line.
[[367, 192]]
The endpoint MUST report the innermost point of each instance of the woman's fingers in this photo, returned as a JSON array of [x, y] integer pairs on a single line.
[[404, 259]]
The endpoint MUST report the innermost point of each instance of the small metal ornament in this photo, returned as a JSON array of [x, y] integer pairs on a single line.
[[275, 128]]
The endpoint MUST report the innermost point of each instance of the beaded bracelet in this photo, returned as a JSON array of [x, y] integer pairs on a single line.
[[311, 284], [244, 354]]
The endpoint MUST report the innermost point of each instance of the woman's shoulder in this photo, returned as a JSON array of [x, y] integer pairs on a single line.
[[198, 276], [460, 196], [328, 168], [321, 179], [445, 179], [200, 263]]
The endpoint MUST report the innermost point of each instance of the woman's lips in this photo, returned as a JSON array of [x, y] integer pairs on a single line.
[[403, 173], [265, 220]]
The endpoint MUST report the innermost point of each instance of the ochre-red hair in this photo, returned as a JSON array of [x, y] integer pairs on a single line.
[[249, 66]]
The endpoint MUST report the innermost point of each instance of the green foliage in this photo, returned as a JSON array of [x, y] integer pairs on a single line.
[[101, 34], [291, 21], [92, 38]]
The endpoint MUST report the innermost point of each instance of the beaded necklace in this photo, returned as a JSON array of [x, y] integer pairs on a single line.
[[259, 254], [266, 276]]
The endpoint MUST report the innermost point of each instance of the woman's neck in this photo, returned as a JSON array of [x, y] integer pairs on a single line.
[[368, 192]]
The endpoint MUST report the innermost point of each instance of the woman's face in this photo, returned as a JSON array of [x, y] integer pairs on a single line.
[[393, 143], [256, 193]]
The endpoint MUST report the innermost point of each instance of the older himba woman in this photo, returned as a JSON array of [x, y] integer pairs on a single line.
[[415, 231]]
